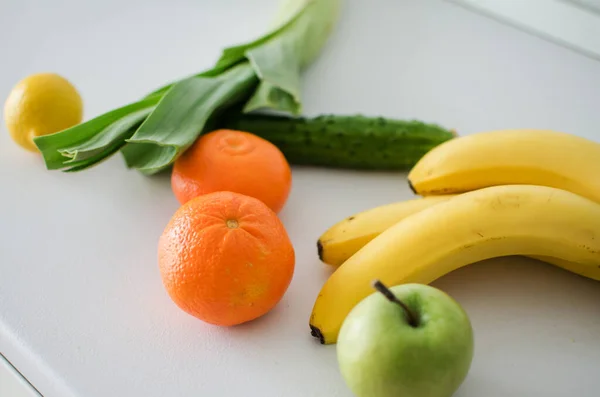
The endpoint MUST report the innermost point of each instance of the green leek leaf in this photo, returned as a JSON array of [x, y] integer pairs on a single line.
[[279, 71], [118, 131], [51, 145], [269, 96], [98, 157], [279, 62], [148, 154], [180, 117]]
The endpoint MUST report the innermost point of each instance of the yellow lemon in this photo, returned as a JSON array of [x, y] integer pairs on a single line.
[[41, 104]]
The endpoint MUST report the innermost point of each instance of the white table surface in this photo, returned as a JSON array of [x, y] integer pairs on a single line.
[[12, 383], [82, 308]]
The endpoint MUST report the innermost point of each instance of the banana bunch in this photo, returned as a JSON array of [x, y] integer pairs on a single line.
[[514, 192]]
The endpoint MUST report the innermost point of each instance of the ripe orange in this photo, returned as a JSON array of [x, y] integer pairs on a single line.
[[225, 258], [235, 161]]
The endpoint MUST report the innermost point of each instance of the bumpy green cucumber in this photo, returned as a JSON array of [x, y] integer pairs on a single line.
[[355, 142]]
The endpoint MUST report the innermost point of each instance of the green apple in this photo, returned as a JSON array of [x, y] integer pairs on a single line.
[[411, 340]]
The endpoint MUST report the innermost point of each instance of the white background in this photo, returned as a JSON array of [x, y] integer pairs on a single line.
[[12, 384], [82, 309], [573, 23]]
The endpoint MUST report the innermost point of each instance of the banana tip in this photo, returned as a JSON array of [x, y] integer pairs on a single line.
[[410, 185], [320, 249], [316, 332]]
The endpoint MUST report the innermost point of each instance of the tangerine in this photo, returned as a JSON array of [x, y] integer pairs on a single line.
[[225, 258], [236, 161]]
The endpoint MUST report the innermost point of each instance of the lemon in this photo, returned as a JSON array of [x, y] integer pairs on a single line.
[[41, 104]]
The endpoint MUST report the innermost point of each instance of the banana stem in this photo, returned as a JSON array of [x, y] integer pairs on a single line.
[[385, 291]]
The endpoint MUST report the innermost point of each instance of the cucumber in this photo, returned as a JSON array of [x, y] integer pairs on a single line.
[[353, 142]]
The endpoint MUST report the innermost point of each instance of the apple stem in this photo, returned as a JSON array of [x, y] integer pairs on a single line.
[[385, 291]]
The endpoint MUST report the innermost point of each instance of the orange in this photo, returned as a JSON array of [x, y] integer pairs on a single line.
[[225, 258], [235, 161]]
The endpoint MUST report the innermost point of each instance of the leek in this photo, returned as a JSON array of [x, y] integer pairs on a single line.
[[153, 132]]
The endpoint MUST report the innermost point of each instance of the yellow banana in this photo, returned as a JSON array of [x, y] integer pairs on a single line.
[[491, 222], [583, 269], [345, 238], [536, 157]]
